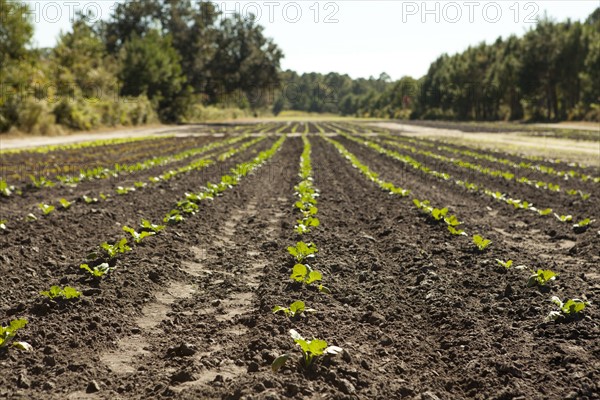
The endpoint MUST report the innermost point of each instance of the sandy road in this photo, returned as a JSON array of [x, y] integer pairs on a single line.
[[583, 152], [33, 141]]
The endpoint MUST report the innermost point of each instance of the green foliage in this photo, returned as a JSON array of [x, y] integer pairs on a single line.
[[66, 293], [302, 251], [569, 309], [8, 333], [563, 218], [65, 203], [584, 223], [456, 232], [147, 225], [151, 66], [481, 243], [40, 182], [505, 264], [113, 250], [312, 350], [303, 273], [46, 209], [307, 193], [124, 190], [541, 277], [89, 200], [5, 189], [303, 225], [295, 309], [138, 236], [173, 217], [98, 271]]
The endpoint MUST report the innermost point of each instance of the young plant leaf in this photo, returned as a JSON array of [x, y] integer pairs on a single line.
[[481, 243], [279, 362]]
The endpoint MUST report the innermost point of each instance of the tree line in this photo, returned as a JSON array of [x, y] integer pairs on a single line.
[[551, 73], [154, 59]]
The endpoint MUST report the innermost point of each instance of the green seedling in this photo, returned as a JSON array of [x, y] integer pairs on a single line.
[[423, 205], [140, 184], [569, 309], [498, 196], [481, 243], [30, 217], [7, 334], [563, 218], [546, 211], [541, 277], [312, 350], [584, 224], [40, 182], [305, 224], [584, 196], [151, 227], [98, 271], [3, 223], [89, 200], [505, 264], [138, 236], [114, 249], [302, 251], [5, 189], [104, 196], [46, 208], [438, 214], [457, 232], [173, 217], [188, 207], [65, 203], [295, 309], [305, 274], [66, 293], [452, 221], [124, 190]]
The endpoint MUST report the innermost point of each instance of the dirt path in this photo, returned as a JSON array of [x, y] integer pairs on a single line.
[[587, 153], [33, 141]]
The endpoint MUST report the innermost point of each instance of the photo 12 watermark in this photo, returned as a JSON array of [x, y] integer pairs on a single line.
[[470, 11], [326, 12], [55, 12]]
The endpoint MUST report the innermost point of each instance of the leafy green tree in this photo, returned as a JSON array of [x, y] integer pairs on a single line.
[[16, 31], [151, 66], [246, 60], [17, 62]]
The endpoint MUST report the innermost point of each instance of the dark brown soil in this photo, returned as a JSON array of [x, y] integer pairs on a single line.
[[187, 314]]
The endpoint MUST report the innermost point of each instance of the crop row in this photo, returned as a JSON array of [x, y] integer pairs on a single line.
[[102, 262], [506, 175], [21, 167], [195, 165], [118, 169], [533, 165], [81, 145], [303, 274], [515, 203]]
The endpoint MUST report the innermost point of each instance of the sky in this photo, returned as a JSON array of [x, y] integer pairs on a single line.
[[361, 38]]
